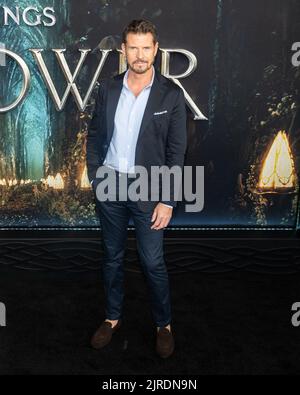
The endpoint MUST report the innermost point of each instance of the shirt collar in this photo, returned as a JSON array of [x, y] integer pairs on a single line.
[[148, 86]]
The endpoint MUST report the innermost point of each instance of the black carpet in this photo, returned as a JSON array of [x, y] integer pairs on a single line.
[[233, 323]]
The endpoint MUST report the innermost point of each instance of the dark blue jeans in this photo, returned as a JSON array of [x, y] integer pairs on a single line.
[[114, 219]]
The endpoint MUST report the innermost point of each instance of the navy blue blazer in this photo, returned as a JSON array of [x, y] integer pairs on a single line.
[[162, 138]]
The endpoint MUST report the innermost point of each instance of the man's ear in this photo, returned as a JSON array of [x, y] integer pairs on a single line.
[[156, 48], [123, 49]]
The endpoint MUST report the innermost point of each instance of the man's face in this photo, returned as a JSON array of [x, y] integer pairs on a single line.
[[140, 52]]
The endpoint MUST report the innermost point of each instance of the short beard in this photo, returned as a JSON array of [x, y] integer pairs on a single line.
[[137, 71]]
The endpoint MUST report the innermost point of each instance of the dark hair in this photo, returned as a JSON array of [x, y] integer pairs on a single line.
[[140, 26]]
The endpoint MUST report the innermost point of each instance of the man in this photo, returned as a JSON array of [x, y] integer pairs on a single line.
[[139, 120]]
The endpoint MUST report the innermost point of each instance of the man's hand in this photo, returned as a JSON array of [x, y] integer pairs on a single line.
[[161, 215]]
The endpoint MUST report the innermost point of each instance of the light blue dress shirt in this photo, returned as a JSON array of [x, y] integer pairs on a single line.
[[128, 118]]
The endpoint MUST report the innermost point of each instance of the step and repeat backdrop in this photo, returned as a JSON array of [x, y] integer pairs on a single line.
[[237, 62]]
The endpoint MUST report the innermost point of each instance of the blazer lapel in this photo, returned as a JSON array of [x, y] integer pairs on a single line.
[[113, 96], [153, 103]]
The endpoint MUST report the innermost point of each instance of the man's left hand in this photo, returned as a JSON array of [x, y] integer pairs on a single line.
[[161, 215]]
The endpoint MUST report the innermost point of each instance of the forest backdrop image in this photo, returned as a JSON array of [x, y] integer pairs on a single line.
[[244, 83]]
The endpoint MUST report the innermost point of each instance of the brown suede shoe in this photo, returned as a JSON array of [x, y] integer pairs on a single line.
[[103, 334], [164, 342]]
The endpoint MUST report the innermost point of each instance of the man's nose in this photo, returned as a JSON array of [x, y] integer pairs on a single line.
[[140, 53]]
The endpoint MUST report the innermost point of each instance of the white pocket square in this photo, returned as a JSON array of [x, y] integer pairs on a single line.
[[161, 112]]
